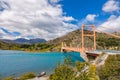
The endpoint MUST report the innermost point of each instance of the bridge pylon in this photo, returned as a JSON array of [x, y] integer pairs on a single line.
[[88, 35]]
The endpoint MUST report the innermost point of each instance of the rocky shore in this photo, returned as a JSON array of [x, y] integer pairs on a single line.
[[40, 78]]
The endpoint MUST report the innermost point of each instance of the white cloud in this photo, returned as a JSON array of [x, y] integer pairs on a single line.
[[112, 17], [68, 18], [54, 1], [112, 24], [39, 18], [91, 17], [111, 5]]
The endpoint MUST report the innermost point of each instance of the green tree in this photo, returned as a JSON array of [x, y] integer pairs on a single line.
[[92, 72], [63, 71], [68, 61], [80, 65], [82, 76]]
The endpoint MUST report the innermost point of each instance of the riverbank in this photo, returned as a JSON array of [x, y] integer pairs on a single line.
[[40, 78]]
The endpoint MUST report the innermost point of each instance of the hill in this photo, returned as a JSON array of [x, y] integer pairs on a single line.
[[74, 39], [9, 46], [24, 41]]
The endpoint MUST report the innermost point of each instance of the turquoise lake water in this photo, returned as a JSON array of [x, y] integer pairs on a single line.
[[15, 63]]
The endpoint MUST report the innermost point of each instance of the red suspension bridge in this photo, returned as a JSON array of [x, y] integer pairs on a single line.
[[83, 50]]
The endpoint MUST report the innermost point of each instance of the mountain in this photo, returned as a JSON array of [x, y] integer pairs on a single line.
[[71, 39], [74, 39], [9, 46], [24, 41]]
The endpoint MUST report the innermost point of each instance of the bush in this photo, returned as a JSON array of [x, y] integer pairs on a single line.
[[82, 76], [80, 65], [27, 76], [111, 69], [93, 73], [9, 78], [63, 72]]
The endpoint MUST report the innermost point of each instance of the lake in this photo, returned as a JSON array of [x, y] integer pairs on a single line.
[[16, 63]]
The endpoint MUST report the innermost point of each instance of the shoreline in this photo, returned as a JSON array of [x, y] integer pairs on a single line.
[[46, 77]]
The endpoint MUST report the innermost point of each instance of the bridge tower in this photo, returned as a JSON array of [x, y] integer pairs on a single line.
[[88, 35]]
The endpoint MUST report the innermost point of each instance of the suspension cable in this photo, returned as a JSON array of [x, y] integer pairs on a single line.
[[110, 34]]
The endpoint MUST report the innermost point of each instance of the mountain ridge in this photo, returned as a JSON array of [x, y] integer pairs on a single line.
[[24, 41]]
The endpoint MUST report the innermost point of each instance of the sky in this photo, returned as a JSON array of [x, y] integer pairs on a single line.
[[49, 19]]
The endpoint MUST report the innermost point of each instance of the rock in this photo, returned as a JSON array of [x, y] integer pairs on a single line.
[[41, 74]]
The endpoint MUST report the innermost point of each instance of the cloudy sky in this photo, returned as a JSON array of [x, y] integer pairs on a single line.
[[50, 19]]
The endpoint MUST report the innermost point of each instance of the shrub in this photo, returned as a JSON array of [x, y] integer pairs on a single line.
[[27, 76], [111, 69], [80, 65], [63, 72], [9, 78], [93, 73]]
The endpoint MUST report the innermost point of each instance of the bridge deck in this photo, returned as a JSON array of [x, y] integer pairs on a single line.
[[77, 49]]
